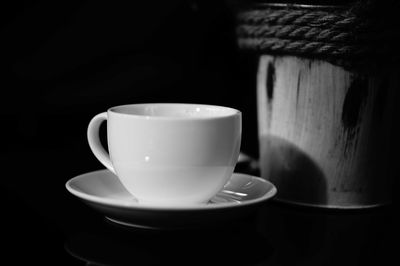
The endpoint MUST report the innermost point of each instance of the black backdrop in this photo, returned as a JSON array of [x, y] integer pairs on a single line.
[[64, 61]]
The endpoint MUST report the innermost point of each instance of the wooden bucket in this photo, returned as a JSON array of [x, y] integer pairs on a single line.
[[326, 134], [327, 84]]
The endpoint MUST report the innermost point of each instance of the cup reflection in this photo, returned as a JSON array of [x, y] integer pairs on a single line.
[[232, 244]]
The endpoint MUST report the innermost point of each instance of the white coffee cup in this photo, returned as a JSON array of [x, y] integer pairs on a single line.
[[169, 154]]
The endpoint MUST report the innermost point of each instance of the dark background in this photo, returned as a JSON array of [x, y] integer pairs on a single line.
[[62, 62]]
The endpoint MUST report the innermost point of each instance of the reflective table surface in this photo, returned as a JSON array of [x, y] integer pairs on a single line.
[[43, 224]]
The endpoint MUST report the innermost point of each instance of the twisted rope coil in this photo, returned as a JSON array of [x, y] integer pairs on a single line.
[[343, 36]]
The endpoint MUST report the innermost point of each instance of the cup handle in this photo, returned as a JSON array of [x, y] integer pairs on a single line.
[[94, 141]]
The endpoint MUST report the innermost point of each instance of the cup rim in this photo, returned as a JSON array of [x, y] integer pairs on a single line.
[[229, 111]]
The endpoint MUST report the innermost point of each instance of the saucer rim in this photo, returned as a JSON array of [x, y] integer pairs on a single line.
[[190, 207]]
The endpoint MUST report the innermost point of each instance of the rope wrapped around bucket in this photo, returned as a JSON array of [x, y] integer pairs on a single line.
[[350, 36]]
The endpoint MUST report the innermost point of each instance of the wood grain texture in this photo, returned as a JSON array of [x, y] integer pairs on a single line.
[[325, 133]]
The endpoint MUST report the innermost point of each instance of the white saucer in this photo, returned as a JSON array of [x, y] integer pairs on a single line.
[[103, 191]]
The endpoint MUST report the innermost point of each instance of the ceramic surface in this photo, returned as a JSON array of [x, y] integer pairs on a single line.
[[103, 191], [169, 153]]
